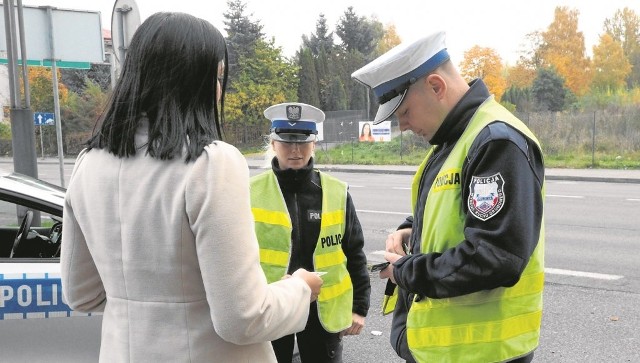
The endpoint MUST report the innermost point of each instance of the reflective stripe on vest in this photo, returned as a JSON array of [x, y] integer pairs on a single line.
[[273, 229], [486, 326]]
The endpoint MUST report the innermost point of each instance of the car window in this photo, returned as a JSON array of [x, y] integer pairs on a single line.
[[42, 239]]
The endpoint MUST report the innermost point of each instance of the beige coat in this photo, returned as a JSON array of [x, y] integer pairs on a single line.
[[167, 251]]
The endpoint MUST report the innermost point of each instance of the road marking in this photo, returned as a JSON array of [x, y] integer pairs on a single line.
[[558, 271], [565, 196], [633, 200], [592, 275], [401, 188], [382, 212], [356, 186]]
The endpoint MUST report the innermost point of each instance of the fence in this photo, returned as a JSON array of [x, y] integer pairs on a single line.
[[615, 130]]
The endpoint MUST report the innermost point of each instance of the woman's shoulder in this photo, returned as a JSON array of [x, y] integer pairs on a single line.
[[221, 155], [222, 149], [217, 159]]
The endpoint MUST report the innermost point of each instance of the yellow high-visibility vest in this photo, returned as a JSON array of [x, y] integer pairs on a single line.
[[273, 229], [486, 326]]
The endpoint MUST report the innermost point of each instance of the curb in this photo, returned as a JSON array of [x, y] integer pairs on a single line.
[[412, 172], [392, 170]]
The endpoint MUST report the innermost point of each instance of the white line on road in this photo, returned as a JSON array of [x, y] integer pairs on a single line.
[[633, 200], [565, 196], [558, 271], [401, 188], [381, 212], [592, 275]]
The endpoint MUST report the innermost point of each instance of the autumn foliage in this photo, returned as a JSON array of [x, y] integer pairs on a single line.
[[484, 63]]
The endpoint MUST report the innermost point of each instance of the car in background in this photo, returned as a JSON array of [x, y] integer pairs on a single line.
[[35, 323]]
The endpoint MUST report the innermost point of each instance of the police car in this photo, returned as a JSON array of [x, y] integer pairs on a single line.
[[35, 323]]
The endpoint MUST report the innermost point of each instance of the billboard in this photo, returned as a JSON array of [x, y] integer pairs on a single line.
[[368, 132]]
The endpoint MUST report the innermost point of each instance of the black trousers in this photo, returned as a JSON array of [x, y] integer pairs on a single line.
[[315, 344]]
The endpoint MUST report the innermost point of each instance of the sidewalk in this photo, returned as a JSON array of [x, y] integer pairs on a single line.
[[594, 175], [257, 162]]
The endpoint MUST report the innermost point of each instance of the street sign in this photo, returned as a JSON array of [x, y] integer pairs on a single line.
[[76, 34], [43, 118]]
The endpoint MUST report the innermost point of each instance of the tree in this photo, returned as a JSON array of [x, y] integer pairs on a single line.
[[358, 33], [356, 93], [308, 91], [322, 40], [563, 49], [336, 95], [611, 68], [624, 27], [265, 79], [484, 63], [390, 39], [76, 79], [520, 76], [5, 131], [519, 97], [524, 72], [80, 113], [78, 110], [314, 66], [531, 54], [242, 36], [548, 90], [41, 89]]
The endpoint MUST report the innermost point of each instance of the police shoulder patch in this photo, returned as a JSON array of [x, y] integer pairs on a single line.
[[486, 196]]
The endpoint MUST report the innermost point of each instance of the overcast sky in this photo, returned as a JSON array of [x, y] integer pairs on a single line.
[[498, 24]]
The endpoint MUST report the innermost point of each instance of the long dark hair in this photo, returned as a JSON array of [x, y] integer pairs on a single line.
[[362, 132], [170, 77]]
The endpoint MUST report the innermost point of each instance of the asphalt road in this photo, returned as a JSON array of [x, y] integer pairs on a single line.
[[592, 289]]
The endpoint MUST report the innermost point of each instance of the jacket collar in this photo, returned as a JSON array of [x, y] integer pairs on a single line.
[[292, 179], [458, 118]]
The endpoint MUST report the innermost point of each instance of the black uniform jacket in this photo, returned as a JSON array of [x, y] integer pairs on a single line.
[[494, 252], [303, 195]]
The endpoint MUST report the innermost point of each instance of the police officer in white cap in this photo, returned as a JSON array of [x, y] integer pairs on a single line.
[[304, 217], [468, 263]]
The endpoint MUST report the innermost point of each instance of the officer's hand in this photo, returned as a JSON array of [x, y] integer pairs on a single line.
[[312, 279], [356, 326], [387, 273], [397, 241]]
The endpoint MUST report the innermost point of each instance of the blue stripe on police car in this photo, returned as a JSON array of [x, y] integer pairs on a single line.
[[27, 296]]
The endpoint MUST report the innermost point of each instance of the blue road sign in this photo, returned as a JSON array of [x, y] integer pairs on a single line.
[[43, 118]]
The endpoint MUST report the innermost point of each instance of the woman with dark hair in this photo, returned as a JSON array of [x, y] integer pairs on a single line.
[[365, 133], [159, 234]]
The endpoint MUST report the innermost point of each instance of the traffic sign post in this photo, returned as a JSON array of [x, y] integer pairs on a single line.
[[43, 119], [76, 42]]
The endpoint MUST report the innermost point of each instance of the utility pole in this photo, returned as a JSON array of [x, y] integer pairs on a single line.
[[22, 125], [23, 139]]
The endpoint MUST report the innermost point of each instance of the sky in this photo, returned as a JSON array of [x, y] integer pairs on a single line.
[[498, 24]]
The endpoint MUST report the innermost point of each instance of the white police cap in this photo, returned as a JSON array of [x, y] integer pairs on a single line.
[[390, 75], [294, 122]]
